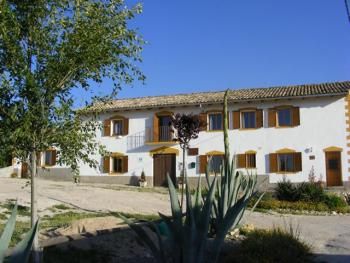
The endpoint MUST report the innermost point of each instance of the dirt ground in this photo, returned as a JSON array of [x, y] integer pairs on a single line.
[[329, 235]]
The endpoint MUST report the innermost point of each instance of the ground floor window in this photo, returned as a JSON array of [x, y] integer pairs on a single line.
[[117, 165], [50, 158], [215, 163], [286, 162], [283, 162]]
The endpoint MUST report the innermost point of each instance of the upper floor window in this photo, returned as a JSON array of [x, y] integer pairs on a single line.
[[248, 119], [117, 127], [284, 117], [215, 121]]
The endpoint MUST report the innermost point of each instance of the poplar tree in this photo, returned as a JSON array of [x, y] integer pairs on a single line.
[[48, 48]]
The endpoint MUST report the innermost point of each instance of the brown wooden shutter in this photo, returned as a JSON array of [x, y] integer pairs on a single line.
[[236, 117], [155, 128], [125, 126], [53, 157], [203, 121], [107, 128], [296, 116], [272, 117], [273, 162], [259, 119], [203, 160], [106, 164], [125, 163], [241, 161], [297, 162]]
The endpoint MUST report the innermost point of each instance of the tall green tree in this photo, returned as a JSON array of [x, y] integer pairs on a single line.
[[48, 48]]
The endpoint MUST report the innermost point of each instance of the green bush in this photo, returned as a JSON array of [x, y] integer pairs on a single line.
[[311, 192], [286, 191], [270, 246], [333, 201]]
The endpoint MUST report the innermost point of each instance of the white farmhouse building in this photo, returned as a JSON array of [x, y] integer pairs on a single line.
[[291, 132]]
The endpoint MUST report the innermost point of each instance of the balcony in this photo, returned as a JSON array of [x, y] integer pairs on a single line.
[[162, 135]]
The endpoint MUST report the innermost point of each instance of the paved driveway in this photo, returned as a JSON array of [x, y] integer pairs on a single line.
[[329, 235]]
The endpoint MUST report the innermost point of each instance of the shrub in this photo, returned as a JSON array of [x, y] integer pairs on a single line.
[[347, 197], [311, 192], [269, 246], [333, 201], [287, 191]]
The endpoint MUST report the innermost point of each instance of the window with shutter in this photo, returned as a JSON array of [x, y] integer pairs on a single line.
[[118, 127], [215, 121], [246, 160], [286, 162], [250, 160], [215, 162], [248, 119], [50, 158]]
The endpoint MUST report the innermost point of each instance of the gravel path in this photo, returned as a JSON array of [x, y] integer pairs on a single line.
[[328, 235]]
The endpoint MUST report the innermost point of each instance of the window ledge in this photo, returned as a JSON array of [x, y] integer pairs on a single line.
[[247, 129], [214, 130]]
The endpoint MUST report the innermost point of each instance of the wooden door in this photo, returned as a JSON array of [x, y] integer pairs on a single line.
[[24, 170], [333, 169], [162, 165]]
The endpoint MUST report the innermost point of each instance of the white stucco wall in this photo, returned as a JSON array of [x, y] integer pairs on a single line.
[[322, 124]]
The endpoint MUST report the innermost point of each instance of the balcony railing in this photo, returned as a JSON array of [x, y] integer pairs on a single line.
[[162, 134]]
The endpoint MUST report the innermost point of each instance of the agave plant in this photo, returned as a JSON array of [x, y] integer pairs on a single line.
[[185, 237], [22, 250], [181, 237]]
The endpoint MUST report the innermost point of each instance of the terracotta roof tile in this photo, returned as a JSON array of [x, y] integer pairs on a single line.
[[310, 90]]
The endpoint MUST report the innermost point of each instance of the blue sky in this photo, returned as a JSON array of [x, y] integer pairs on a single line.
[[207, 45]]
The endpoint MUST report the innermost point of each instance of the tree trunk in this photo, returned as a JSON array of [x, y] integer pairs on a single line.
[[34, 205], [183, 176]]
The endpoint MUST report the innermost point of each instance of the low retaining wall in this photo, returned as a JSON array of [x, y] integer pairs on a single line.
[[6, 171]]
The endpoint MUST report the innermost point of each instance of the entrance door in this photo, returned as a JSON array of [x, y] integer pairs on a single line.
[[163, 164], [333, 169]]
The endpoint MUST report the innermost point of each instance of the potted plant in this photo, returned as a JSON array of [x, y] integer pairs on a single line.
[[180, 183], [142, 180]]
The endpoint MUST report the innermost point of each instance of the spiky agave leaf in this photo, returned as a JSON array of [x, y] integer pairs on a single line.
[[22, 250], [6, 235]]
